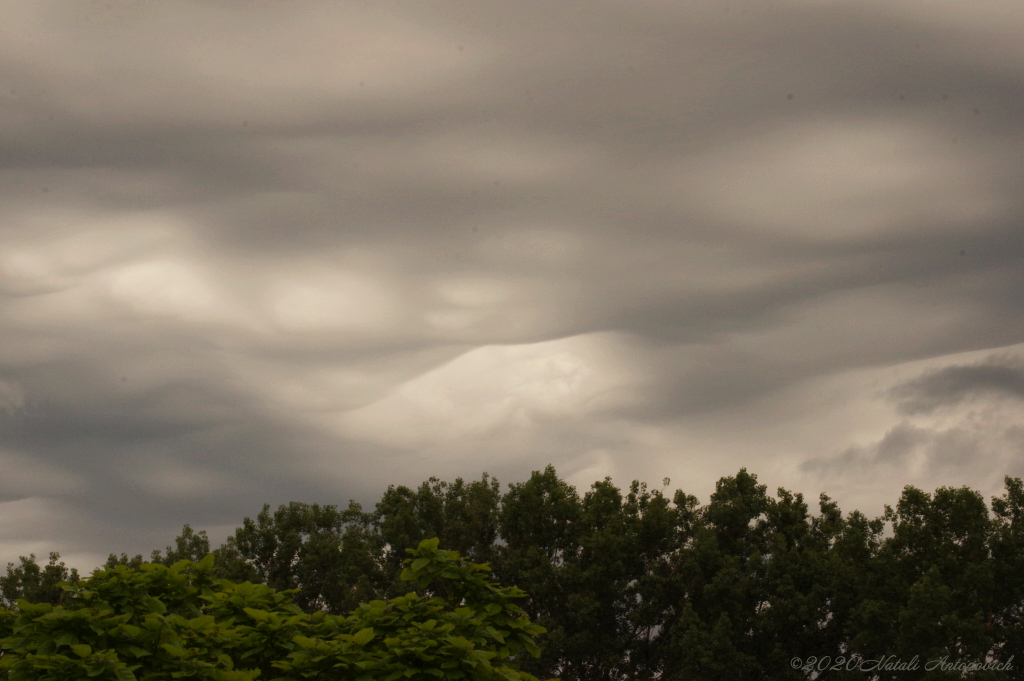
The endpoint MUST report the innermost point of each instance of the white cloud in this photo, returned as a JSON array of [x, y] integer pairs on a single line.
[[493, 388], [56, 249], [333, 300], [165, 286]]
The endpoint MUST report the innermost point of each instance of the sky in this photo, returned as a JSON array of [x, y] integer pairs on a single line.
[[261, 251]]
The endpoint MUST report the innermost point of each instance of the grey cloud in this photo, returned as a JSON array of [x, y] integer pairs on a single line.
[[636, 170], [906, 446], [894, 449], [953, 385], [974, 452]]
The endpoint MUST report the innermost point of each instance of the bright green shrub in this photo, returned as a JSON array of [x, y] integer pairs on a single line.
[[179, 622]]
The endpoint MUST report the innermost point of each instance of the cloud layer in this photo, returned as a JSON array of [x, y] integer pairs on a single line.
[[254, 252]]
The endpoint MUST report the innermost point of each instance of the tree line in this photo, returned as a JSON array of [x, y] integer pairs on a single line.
[[638, 584]]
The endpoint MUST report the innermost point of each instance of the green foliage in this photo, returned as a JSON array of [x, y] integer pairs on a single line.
[[634, 585], [160, 622], [473, 632]]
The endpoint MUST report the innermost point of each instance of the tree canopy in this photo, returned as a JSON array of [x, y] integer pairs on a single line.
[[640, 584], [159, 622]]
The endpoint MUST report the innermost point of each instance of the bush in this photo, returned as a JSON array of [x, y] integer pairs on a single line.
[[181, 622]]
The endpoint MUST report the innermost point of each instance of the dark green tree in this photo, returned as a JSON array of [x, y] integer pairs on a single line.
[[539, 522], [113, 560], [717, 587], [760, 582], [187, 546], [35, 583], [666, 531], [332, 557], [464, 517], [611, 620], [232, 565], [1005, 620], [927, 589]]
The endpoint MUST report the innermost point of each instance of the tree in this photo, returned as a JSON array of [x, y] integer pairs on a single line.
[[133, 563], [464, 517], [927, 590], [659, 593], [230, 563], [539, 522], [717, 587], [188, 546], [1006, 541], [39, 585], [760, 582], [331, 557], [472, 631], [158, 621]]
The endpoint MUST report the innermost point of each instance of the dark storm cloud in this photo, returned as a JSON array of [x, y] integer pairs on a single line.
[[953, 385]]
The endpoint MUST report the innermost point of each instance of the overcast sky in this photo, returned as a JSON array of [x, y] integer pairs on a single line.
[[261, 251]]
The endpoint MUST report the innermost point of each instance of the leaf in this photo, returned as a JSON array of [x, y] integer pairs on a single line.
[[66, 639], [304, 642], [258, 615], [460, 642], [363, 636], [82, 650], [419, 564], [124, 674], [155, 605], [174, 650]]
